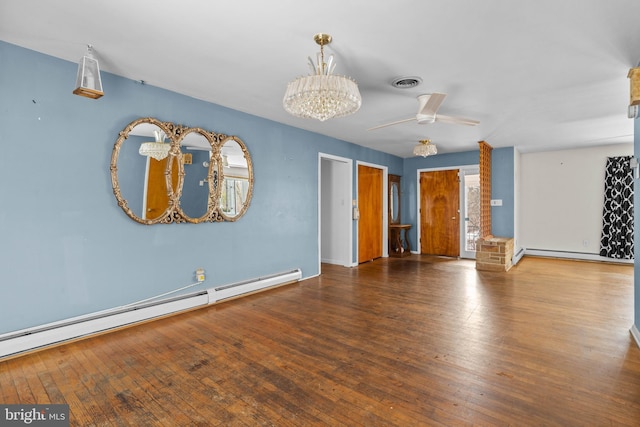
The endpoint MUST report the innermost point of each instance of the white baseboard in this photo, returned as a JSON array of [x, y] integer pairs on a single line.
[[26, 340], [635, 333], [335, 262]]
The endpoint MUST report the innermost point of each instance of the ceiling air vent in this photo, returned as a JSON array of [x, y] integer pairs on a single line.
[[406, 82]]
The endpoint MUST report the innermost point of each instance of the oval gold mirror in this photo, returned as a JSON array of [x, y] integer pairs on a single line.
[[167, 173], [145, 181], [394, 199], [394, 202], [197, 198], [236, 186]]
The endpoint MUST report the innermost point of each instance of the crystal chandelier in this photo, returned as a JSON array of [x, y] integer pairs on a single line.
[[157, 149], [425, 148], [322, 95]]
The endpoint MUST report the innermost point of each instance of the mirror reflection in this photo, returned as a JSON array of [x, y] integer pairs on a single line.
[[197, 161], [394, 202], [237, 177], [142, 178], [394, 199]]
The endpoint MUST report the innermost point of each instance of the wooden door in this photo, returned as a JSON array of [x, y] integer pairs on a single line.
[[439, 213], [157, 194], [370, 206]]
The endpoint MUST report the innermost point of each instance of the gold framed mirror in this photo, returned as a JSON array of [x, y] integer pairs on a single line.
[[165, 173], [236, 184], [394, 199], [146, 186], [198, 195]]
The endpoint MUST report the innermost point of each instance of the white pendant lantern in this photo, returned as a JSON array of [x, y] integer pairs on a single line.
[[88, 81]]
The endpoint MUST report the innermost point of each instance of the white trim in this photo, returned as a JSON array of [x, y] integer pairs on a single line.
[[334, 261], [146, 188], [385, 205], [635, 334], [348, 212]]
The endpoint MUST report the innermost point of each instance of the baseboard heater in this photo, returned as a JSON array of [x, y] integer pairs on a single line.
[[518, 256], [18, 342], [584, 256]]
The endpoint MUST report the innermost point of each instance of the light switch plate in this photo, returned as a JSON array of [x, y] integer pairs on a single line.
[[496, 202]]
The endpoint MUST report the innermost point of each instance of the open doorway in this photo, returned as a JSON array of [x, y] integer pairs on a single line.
[[335, 195]]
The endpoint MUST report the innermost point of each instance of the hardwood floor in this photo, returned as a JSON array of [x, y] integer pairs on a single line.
[[395, 342]]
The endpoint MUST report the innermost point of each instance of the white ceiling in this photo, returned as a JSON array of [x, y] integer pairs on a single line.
[[538, 74]]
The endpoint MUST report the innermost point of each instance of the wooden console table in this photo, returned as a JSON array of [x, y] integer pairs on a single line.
[[399, 245]]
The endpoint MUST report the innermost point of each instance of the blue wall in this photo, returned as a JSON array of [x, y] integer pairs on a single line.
[[67, 249], [502, 187]]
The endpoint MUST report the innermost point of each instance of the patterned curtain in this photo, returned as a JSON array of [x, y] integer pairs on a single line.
[[617, 216]]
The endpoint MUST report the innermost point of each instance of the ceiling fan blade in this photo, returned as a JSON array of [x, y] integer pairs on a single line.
[[456, 120], [392, 123], [429, 104]]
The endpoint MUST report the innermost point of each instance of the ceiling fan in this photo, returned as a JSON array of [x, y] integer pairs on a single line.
[[427, 113]]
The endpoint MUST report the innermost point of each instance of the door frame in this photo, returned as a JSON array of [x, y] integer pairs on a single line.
[[461, 207], [385, 206], [346, 223]]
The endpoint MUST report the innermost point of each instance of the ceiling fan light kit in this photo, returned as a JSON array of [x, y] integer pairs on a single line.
[[322, 95], [425, 148]]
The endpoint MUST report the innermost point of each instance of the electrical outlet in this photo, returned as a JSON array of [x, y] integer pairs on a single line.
[[200, 275], [585, 243]]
